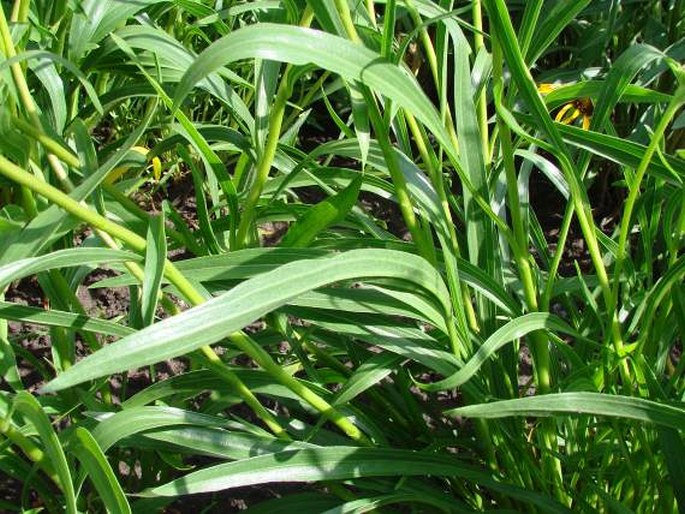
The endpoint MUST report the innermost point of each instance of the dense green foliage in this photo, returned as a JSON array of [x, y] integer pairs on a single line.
[[427, 255]]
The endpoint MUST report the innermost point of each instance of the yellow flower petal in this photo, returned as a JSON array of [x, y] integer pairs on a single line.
[[156, 168], [545, 88], [586, 122], [571, 118], [560, 115]]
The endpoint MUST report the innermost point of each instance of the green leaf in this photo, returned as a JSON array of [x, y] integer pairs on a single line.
[[362, 128], [550, 170], [9, 370], [620, 75], [372, 504], [115, 427], [372, 371], [97, 18], [45, 69], [62, 259], [515, 329], [86, 449], [598, 404], [330, 211], [556, 19], [622, 151], [210, 241], [372, 301], [339, 463], [220, 443], [247, 302], [195, 382], [298, 503], [27, 405], [301, 46], [671, 442], [155, 257], [387, 333], [240, 264], [479, 231], [55, 318]]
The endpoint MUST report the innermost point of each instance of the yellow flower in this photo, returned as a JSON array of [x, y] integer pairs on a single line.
[[572, 110], [116, 173]]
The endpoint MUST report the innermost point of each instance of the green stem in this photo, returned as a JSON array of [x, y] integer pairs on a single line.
[[260, 356], [432, 57], [577, 191], [679, 230], [214, 363], [17, 72], [587, 227], [538, 339], [462, 305], [48, 143], [343, 9], [28, 448], [18, 175], [425, 247], [426, 42], [7, 47], [23, 11], [26, 97], [520, 250], [270, 147], [266, 160], [558, 255]]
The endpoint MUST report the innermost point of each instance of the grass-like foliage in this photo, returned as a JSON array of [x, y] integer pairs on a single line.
[[415, 256]]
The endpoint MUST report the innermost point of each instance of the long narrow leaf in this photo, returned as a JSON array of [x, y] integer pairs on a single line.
[[100, 472], [246, 303], [26, 404], [598, 404], [338, 463]]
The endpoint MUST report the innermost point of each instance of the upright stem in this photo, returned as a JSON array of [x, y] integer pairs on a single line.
[[20, 11], [520, 250], [270, 147], [432, 57], [538, 339], [266, 160], [461, 299], [424, 246], [343, 9], [26, 97], [578, 193], [634, 191]]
